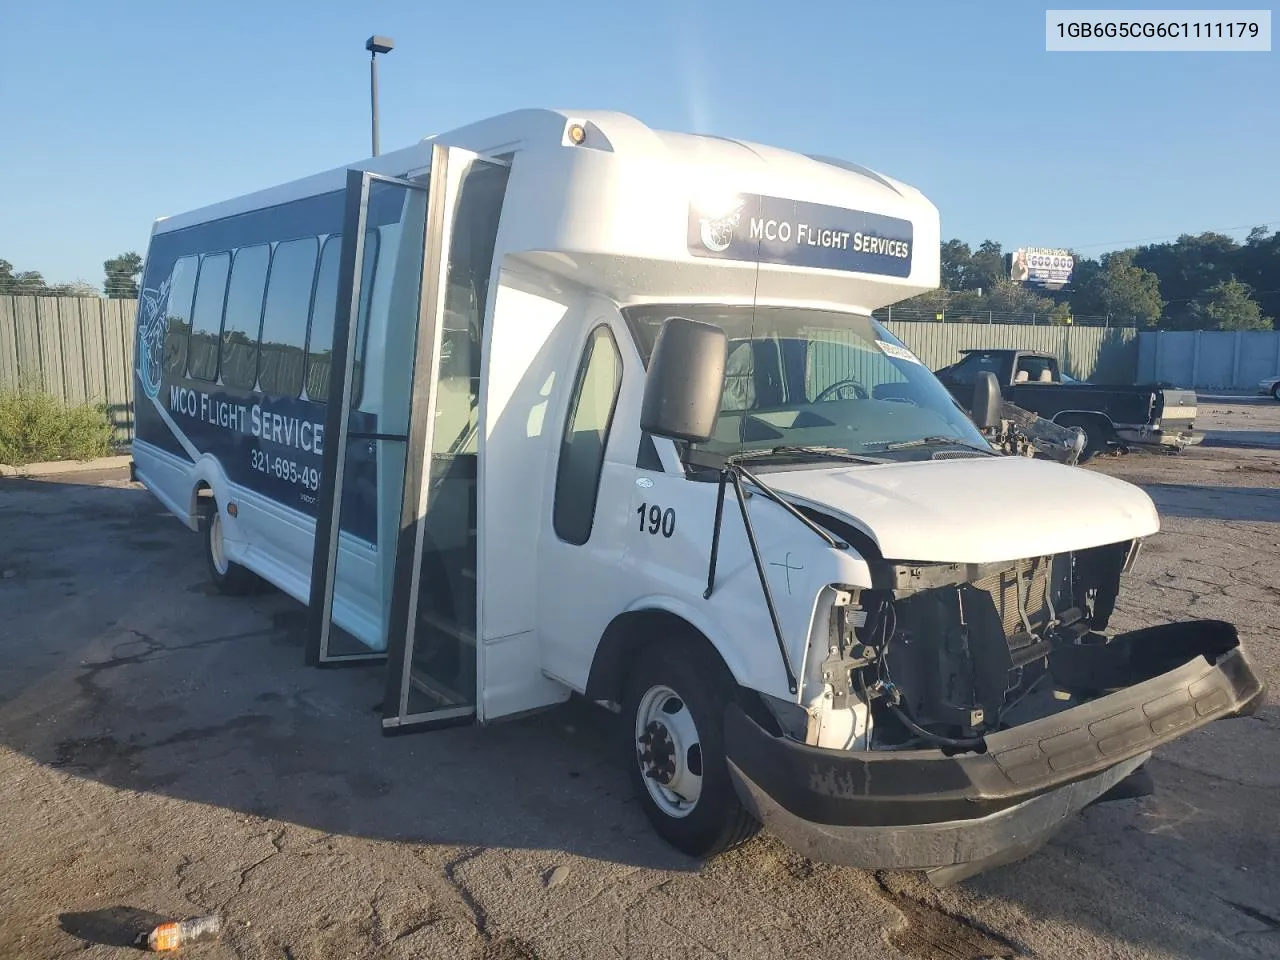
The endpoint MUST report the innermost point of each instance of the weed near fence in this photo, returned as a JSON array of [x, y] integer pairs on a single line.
[[36, 427]]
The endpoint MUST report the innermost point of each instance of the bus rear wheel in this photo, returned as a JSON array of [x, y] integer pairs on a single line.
[[674, 714], [228, 577]]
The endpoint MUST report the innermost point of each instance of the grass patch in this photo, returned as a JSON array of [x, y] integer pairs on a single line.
[[36, 427]]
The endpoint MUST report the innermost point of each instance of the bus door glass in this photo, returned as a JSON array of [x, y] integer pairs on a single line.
[[433, 654], [370, 391]]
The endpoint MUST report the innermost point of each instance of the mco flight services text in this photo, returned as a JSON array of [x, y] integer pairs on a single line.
[[253, 419]]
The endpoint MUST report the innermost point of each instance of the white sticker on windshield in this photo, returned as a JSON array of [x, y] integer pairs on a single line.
[[900, 353]]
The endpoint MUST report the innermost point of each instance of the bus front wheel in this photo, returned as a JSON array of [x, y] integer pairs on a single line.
[[674, 713]]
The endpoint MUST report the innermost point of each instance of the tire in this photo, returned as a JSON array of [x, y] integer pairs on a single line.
[[229, 578], [1094, 435], [1275, 392], [689, 690]]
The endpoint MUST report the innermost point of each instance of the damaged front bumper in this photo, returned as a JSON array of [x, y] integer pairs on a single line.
[[954, 816]]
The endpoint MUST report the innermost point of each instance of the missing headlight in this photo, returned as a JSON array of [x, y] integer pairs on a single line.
[[792, 718]]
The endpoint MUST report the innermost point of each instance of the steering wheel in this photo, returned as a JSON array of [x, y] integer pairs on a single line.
[[857, 389]]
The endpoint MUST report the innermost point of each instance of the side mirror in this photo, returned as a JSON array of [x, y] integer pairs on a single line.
[[685, 382], [986, 401]]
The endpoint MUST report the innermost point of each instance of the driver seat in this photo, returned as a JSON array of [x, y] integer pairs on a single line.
[[753, 377]]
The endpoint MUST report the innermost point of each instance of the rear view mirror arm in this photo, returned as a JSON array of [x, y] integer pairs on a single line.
[[734, 473], [728, 468], [715, 535], [769, 492]]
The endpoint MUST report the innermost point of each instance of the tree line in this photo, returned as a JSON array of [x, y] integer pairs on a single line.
[[1204, 282], [120, 281]]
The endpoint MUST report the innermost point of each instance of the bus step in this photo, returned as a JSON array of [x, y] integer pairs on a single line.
[[438, 691], [466, 635]]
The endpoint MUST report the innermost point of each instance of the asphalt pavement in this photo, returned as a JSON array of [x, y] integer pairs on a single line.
[[164, 752]]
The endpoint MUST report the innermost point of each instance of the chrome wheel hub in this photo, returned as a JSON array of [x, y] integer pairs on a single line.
[[669, 751]]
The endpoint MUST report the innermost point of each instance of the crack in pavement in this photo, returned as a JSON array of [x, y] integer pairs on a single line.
[[195, 894], [376, 932], [97, 697], [432, 918], [589, 901], [479, 917], [493, 947], [277, 841]]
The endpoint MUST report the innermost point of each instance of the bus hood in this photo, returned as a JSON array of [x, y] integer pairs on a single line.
[[975, 510]]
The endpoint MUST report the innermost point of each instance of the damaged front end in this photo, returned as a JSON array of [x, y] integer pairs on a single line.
[[963, 650], [990, 706]]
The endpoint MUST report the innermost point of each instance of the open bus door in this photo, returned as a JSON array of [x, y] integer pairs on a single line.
[[404, 445]]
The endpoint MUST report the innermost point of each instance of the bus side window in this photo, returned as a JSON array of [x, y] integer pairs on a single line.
[[320, 337], [586, 434], [238, 363], [284, 319], [182, 288], [206, 316]]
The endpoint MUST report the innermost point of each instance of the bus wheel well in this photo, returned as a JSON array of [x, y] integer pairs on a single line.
[[629, 633], [201, 497], [626, 635]]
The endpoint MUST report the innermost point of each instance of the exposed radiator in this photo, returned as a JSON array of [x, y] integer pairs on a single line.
[[1032, 578]]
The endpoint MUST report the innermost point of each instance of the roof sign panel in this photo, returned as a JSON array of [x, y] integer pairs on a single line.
[[797, 233]]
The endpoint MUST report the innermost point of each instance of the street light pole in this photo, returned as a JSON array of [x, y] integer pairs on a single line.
[[376, 45], [373, 98]]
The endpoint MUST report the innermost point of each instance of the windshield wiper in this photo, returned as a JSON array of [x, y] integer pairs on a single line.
[[936, 441], [831, 453]]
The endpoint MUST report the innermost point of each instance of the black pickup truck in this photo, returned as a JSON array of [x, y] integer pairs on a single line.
[[1110, 416]]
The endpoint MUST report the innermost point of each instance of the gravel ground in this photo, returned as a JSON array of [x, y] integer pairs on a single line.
[[164, 752]]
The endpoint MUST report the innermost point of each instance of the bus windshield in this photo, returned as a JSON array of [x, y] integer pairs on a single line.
[[801, 378]]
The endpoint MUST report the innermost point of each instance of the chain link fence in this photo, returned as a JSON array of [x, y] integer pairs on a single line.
[[962, 315]]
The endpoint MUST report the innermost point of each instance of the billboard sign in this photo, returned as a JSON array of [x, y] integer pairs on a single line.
[[1046, 267]]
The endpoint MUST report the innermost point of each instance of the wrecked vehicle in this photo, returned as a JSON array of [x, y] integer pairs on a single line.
[[1020, 433], [959, 695], [1110, 416], [558, 404]]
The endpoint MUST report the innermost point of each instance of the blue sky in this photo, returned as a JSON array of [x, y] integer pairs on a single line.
[[118, 113]]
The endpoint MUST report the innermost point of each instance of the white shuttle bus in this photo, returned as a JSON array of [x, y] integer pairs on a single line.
[[557, 403]]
